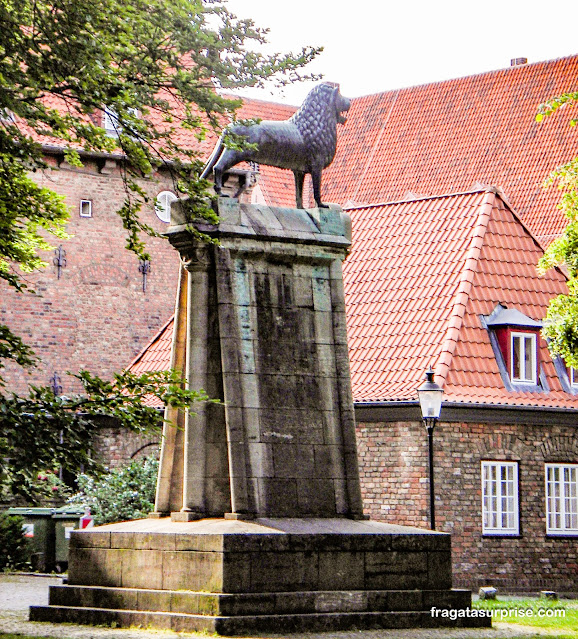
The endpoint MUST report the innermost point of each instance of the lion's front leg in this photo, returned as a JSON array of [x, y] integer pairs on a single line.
[[299, 179], [316, 179]]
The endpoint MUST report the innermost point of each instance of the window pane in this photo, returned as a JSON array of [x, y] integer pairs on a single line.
[[499, 497], [524, 358], [516, 366], [528, 358], [562, 498]]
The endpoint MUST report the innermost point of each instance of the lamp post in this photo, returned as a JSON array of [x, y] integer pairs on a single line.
[[430, 401]]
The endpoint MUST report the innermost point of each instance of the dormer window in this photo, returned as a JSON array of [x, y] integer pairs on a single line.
[[515, 339], [111, 123], [523, 358], [574, 377]]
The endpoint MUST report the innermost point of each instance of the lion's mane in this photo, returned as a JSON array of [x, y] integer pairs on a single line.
[[316, 120]]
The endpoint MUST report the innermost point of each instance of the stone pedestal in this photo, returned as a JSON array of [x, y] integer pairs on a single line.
[[259, 523], [268, 575], [260, 325]]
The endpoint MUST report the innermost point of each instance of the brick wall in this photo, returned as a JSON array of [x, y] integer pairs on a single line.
[[393, 467], [118, 446], [96, 315]]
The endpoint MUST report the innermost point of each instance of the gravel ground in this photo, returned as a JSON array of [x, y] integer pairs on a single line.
[[17, 592]]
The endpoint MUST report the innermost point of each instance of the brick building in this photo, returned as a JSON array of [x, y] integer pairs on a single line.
[[92, 312], [409, 147], [450, 282], [431, 139]]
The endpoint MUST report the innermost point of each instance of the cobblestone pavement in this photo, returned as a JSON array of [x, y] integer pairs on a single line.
[[17, 592]]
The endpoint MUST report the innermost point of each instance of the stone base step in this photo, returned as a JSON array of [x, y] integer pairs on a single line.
[[239, 604], [250, 624]]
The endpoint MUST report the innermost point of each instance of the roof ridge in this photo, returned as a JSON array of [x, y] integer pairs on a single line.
[[481, 189], [467, 76], [526, 228], [461, 297], [155, 339]]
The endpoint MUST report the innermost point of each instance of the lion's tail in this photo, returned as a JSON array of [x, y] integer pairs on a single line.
[[215, 155]]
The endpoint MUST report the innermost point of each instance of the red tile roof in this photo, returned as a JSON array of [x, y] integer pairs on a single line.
[[276, 185], [156, 356], [451, 136], [441, 138], [419, 276]]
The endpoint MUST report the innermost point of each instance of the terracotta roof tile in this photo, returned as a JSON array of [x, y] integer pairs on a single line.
[[449, 136], [433, 286], [439, 138]]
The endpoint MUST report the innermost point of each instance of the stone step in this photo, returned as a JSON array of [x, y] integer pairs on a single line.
[[221, 604], [242, 625]]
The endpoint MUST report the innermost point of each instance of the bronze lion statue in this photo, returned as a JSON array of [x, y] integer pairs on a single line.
[[305, 143]]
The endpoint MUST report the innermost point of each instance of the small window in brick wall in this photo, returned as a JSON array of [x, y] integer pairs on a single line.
[[85, 209], [515, 339], [163, 204], [574, 377]]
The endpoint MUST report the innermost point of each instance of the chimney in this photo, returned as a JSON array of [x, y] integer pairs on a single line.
[[518, 62]]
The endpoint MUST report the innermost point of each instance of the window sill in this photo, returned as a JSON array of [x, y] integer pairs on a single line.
[[500, 535]]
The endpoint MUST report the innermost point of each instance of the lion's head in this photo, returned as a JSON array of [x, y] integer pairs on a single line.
[[318, 116]]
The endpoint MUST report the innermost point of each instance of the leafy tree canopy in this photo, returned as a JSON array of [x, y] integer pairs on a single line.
[[153, 65], [561, 328], [47, 431]]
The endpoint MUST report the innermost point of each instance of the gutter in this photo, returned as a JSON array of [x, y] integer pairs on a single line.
[[60, 150], [452, 412]]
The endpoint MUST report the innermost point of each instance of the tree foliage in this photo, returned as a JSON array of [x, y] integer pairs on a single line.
[[561, 327], [152, 65], [15, 550], [46, 431]]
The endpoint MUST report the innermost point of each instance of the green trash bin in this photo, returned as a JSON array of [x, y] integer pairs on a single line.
[[66, 519], [39, 529]]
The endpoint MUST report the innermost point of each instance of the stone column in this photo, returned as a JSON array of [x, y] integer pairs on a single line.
[[169, 494], [197, 261]]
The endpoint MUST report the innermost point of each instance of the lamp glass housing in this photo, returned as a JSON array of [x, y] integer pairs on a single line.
[[430, 397]]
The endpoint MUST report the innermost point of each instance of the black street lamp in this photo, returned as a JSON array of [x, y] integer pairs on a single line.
[[430, 401]]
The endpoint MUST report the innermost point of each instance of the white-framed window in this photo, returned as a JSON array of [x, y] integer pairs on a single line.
[[500, 498], [574, 377], [562, 499], [110, 122], [85, 208], [163, 205], [523, 358]]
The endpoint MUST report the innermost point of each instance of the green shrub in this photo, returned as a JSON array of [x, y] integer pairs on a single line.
[[120, 495], [15, 551]]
